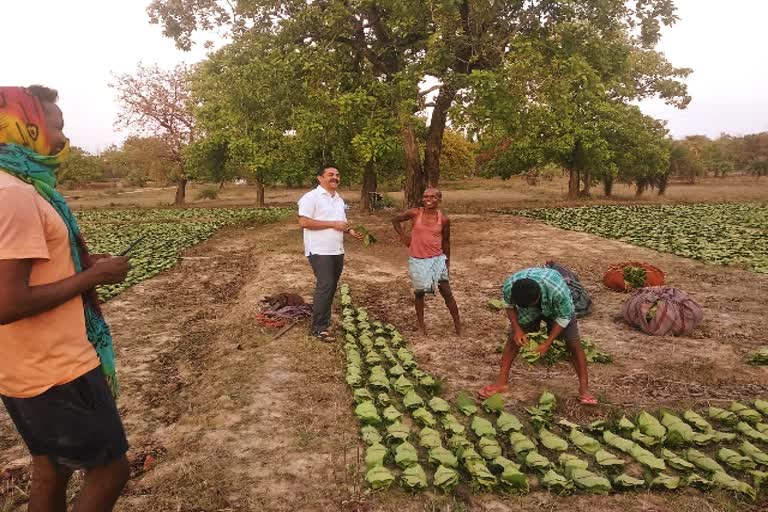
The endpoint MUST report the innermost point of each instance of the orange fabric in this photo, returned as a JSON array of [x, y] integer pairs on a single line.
[[51, 348], [426, 239]]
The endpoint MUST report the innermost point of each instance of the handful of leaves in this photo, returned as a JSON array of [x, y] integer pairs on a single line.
[[745, 413], [677, 462], [735, 460], [507, 422], [552, 441], [702, 461], [541, 414], [590, 482], [482, 477], [679, 432], [556, 482], [608, 460], [647, 459], [446, 478], [626, 482], [664, 481], [482, 427], [367, 413], [650, 426], [559, 351], [443, 457], [584, 442], [414, 478], [379, 477], [725, 481], [368, 237], [618, 442], [465, 403]]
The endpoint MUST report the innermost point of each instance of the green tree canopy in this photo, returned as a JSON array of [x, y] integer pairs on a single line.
[[586, 51]]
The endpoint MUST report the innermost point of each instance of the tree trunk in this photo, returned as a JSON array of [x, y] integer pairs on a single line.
[[369, 188], [181, 192], [608, 185], [641, 185], [663, 182], [587, 180], [260, 202], [434, 145], [414, 173], [573, 182]]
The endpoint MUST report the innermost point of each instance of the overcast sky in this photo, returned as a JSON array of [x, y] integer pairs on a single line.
[[75, 45]]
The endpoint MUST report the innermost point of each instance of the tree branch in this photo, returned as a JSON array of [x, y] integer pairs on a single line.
[[425, 92]]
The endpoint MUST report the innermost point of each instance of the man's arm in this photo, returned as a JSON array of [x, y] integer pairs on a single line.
[[517, 331], [19, 300], [308, 223], [447, 240], [564, 301], [397, 223], [565, 311], [553, 334], [518, 335]]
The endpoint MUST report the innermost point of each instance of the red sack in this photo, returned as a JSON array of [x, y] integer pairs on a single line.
[[662, 310], [614, 278]]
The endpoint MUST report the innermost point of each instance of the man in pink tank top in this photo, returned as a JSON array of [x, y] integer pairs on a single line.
[[429, 248]]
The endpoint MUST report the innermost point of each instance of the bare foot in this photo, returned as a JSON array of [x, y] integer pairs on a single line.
[[459, 331], [492, 389]]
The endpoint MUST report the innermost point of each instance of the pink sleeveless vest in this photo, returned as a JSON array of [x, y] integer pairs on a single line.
[[426, 239]]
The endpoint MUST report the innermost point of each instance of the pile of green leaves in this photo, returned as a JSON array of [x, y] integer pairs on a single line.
[[167, 233], [634, 277], [725, 234], [559, 351]]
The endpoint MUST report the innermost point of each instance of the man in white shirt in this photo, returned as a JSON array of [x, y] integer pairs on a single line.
[[323, 216]]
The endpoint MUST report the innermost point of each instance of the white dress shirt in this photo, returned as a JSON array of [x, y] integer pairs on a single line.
[[318, 204]]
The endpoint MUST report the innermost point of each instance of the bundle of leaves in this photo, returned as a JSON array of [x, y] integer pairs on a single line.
[[559, 351], [541, 414], [368, 238], [634, 277]]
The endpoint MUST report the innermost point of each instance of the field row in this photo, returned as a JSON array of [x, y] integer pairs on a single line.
[[725, 234], [164, 233]]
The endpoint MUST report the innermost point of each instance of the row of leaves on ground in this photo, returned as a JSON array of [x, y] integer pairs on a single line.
[[727, 234], [164, 233], [411, 432]]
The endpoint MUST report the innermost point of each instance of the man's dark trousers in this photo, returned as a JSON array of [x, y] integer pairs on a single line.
[[327, 269]]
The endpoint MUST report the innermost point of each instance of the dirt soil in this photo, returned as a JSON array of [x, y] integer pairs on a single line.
[[222, 417]]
